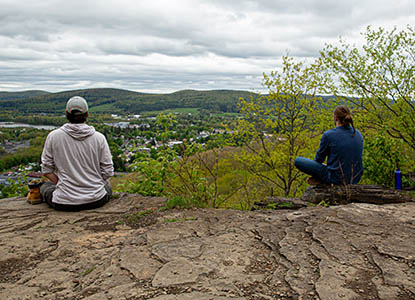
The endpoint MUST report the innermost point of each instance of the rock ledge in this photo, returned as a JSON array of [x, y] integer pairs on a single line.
[[350, 252]]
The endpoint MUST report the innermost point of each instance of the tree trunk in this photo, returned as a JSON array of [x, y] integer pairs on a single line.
[[338, 194]]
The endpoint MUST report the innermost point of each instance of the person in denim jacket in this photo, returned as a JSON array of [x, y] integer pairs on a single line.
[[343, 147]]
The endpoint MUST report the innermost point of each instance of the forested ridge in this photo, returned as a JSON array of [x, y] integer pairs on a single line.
[[108, 100], [7, 96]]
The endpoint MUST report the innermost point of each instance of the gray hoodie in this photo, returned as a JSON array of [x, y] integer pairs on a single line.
[[81, 159]]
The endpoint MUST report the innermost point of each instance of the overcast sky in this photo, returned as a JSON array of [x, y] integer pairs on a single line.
[[165, 46]]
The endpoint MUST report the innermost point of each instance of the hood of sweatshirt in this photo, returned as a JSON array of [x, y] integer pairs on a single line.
[[78, 131]]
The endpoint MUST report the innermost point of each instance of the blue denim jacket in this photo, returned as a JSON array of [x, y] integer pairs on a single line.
[[344, 154]]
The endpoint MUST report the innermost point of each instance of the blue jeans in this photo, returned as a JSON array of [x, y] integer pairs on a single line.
[[313, 168]]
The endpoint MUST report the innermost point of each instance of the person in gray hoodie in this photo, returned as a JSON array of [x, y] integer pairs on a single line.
[[77, 161]]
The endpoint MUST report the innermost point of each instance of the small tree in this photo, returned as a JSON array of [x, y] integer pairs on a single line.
[[165, 123], [282, 125]]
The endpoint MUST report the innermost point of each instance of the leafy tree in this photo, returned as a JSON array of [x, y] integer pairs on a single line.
[[165, 122], [380, 76], [152, 174], [14, 188], [281, 126], [20, 157], [195, 177]]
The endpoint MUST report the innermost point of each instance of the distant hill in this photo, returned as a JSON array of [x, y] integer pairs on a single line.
[[20, 95], [122, 101]]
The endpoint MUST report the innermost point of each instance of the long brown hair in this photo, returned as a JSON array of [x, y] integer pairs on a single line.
[[344, 116]]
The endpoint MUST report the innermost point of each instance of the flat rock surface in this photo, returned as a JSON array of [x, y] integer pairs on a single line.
[[132, 249]]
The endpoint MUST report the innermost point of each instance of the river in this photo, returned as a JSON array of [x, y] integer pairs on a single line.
[[16, 125]]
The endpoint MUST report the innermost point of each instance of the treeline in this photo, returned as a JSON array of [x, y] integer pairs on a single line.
[[128, 102], [219, 101], [21, 95], [22, 134], [20, 157], [32, 119]]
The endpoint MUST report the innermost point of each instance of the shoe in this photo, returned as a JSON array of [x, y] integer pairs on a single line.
[[34, 196], [313, 181]]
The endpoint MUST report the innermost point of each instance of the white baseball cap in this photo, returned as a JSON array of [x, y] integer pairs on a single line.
[[77, 103]]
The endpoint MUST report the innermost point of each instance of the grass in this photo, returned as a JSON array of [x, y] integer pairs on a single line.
[[177, 202], [226, 114], [88, 271], [183, 110], [104, 108], [275, 205], [121, 180], [134, 218], [410, 194]]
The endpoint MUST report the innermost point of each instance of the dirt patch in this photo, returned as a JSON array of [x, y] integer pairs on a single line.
[[102, 224], [102, 227], [363, 285], [10, 269], [90, 291]]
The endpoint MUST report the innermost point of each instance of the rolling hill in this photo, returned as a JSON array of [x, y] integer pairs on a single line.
[[120, 101], [6, 96]]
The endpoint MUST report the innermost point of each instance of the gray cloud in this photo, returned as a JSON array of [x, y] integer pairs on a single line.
[[163, 45]]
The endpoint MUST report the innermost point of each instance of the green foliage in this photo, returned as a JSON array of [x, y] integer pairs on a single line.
[[15, 188], [281, 126], [381, 156], [152, 173], [36, 137], [88, 271], [20, 157], [324, 203], [20, 95], [189, 178], [165, 122], [29, 118], [114, 144], [276, 205], [194, 177], [274, 131], [151, 176], [134, 218], [177, 202], [381, 76]]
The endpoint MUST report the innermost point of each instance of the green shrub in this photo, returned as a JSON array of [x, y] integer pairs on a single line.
[[381, 157]]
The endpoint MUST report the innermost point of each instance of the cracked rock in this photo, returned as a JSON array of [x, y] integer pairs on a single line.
[[176, 272], [358, 251]]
